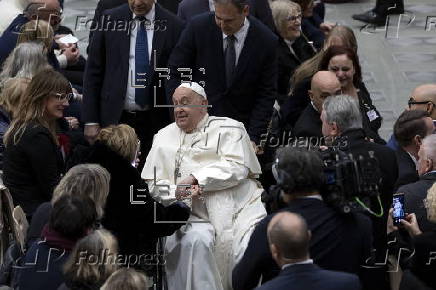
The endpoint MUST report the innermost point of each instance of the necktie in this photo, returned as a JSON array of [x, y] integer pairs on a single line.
[[142, 65], [230, 57]]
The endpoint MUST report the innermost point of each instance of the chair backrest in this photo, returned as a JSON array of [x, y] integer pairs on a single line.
[[13, 222]]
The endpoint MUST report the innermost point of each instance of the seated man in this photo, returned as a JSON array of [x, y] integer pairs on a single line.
[[324, 84], [211, 159], [289, 238], [340, 242], [415, 193], [409, 130]]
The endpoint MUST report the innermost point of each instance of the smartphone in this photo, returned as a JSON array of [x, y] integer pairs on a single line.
[[398, 212]]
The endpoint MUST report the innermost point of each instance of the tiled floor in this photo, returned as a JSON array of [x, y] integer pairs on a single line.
[[393, 62]]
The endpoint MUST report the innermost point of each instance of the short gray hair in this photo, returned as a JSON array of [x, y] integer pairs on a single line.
[[90, 180], [281, 10], [429, 146], [25, 61], [344, 111]]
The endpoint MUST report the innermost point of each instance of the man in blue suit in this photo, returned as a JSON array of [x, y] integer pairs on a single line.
[[234, 56], [289, 239], [127, 61]]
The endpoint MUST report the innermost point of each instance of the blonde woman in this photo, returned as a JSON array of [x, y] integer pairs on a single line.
[[126, 279], [130, 210], [10, 97], [33, 163], [85, 180], [92, 261]]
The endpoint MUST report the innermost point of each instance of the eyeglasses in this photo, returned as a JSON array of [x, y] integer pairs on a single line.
[[413, 102], [64, 97], [294, 18]]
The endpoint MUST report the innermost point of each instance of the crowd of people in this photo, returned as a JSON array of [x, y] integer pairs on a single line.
[[166, 157]]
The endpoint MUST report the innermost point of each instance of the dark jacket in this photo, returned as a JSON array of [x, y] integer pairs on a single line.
[[407, 172], [133, 224], [417, 255], [252, 92], [310, 28], [5, 121], [42, 266], [309, 124], [354, 141], [371, 118], [339, 243], [32, 168], [310, 276], [107, 67], [288, 63], [414, 194]]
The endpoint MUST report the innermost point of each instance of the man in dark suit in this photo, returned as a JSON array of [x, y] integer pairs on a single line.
[[409, 130], [102, 5], [234, 56], [289, 239], [258, 8], [415, 193], [122, 84], [341, 119], [323, 85], [339, 242]]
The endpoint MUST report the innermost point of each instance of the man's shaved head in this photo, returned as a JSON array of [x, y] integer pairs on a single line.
[[288, 237], [323, 85], [425, 93]]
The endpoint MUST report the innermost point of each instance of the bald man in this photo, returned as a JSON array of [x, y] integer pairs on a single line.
[[423, 98], [289, 239], [324, 84]]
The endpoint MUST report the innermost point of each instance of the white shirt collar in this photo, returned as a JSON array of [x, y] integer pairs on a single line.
[[211, 5], [150, 15], [413, 159], [308, 261], [242, 32]]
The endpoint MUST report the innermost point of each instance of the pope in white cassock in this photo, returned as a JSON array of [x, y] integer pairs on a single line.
[[213, 157]]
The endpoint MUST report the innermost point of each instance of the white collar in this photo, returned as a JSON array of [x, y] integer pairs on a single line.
[[413, 159], [314, 196], [308, 261], [241, 32]]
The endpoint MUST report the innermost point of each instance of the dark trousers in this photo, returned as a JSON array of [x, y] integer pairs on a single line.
[[142, 122]]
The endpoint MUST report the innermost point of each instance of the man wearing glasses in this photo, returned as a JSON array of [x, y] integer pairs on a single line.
[[422, 98]]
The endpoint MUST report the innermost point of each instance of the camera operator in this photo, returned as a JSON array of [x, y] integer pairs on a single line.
[[340, 242], [342, 120]]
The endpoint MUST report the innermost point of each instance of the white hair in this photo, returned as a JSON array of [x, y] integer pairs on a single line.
[[344, 111], [429, 145]]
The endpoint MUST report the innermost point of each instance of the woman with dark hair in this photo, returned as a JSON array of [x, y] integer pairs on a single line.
[[344, 62], [33, 163], [71, 219]]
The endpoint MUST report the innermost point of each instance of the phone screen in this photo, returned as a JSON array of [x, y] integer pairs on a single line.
[[398, 208]]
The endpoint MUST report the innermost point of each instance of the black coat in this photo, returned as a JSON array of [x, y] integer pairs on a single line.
[[251, 95], [407, 172], [309, 124], [414, 194], [339, 242], [354, 141], [133, 224], [289, 62], [5, 121], [310, 276], [107, 67], [32, 168]]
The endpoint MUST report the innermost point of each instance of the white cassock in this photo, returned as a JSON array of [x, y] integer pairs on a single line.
[[219, 154]]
